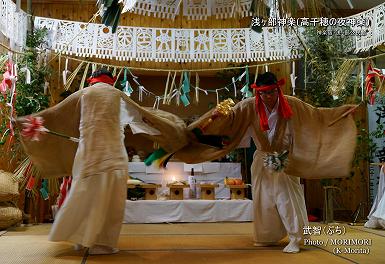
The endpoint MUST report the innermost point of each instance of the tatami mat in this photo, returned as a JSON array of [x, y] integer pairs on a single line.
[[379, 232], [218, 257], [188, 243], [36, 249], [373, 253]]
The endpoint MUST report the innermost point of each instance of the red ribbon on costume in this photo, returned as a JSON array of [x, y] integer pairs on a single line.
[[284, 108], [371, 75], [102, 78]]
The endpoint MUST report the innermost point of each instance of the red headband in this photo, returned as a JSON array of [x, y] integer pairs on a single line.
[[102, 78], [269, 87], [283, 107]]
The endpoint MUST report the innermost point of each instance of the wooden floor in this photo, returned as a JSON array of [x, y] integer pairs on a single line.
[[214, 243]]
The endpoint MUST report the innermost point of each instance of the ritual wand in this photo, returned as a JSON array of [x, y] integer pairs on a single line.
[[33, 128]]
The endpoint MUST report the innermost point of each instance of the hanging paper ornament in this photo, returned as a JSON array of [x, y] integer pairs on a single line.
[[140, 92], [246, 92], [234, 86], [127, 89], [156, 103], [185, 90], [46, 86], [370, 80], [256, 73], [245, 89], [117, 77], [27, 74], [6, 83], [31, 183], [44, 189], [247, 76], [64, 188], [293, 77], [65, 72]]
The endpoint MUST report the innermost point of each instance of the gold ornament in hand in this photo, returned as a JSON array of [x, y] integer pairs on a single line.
[[224, 108]]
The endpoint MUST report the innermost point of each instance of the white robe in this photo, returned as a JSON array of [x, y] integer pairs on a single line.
[[92, 214], [377, 213], [278, 198]]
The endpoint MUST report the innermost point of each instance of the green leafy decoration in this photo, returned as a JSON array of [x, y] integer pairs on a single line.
[[30, 98]]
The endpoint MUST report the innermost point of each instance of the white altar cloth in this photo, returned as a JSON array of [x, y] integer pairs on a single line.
[[207, 172], [157, 211]]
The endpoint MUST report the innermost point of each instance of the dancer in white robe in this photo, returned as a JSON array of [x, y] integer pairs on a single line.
[[92, 214], [377, 212], [315, 138]]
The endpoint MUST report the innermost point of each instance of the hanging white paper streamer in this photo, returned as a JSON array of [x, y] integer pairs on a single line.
[[140, 93], [200, 89], [196, 87], [177, 98], [216, 91], [46, 86], [156, 103], [362, 80], [166, 88], [350, 4], [117, 77], [241, 76], [235, 87], [256, 73], [27, 76], [300, 3], [13, 79], [114, 71], [65, 72], [266, 68], [293, 77]]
